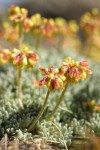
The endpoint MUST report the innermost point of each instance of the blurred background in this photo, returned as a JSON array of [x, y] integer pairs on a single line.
[[86, 35], [69, 9]]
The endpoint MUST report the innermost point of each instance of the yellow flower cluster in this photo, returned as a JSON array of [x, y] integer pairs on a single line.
[[53, 80], [27, 24], [40, 26], [19, 17], [4, 56], [75, 71], [43, 26], [17, 14], [70, 72], [90, 22], [37, 23], [10, 33], [23, 58], [49, 28], [66, 28]]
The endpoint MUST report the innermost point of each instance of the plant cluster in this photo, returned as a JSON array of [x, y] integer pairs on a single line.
[[22, 108], [51, 30], [33, 97]]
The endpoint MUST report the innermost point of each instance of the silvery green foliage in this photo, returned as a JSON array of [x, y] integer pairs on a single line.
[[7, 77], [13, 119], [23, 135], [79, 127], [95, 123], [19, 119], [56, 132]]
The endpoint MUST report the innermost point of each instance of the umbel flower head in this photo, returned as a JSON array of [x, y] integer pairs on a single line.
[[48, 28], [24, 58], [36, 19], [52, 79], [37, 22], [75, 71], [17, 14], [66, 28], [90, 21], [4, 56], [27, 24], [10, 33], [43, 26]]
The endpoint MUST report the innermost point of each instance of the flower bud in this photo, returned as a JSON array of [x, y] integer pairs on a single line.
[[24, 61]]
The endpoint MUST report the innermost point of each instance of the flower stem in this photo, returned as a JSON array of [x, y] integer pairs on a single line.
[[57, 104], [20, 35], [40, 113], [37, 42], [57, 127], [19, 83], [19, 72]]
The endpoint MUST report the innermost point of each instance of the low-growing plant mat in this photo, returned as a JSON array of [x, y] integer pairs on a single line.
[[71, 115]]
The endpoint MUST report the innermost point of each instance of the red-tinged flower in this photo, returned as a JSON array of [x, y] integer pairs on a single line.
[[56, 84], [52, 79], [44, 81], [66, 28], [84, 66], [44, 71], [17, 14], [24, 58], [36, 19], [32, 58], [11, 33], [48, 28], [4, 56], [27, 24], [37, 23], [75, 71], [84, 63], [36, 83], [49, 71], [90, 22]]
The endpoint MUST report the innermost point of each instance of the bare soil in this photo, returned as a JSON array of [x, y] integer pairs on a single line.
[[38, 144]]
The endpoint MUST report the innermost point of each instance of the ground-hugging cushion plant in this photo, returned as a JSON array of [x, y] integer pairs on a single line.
[[12, 121]]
